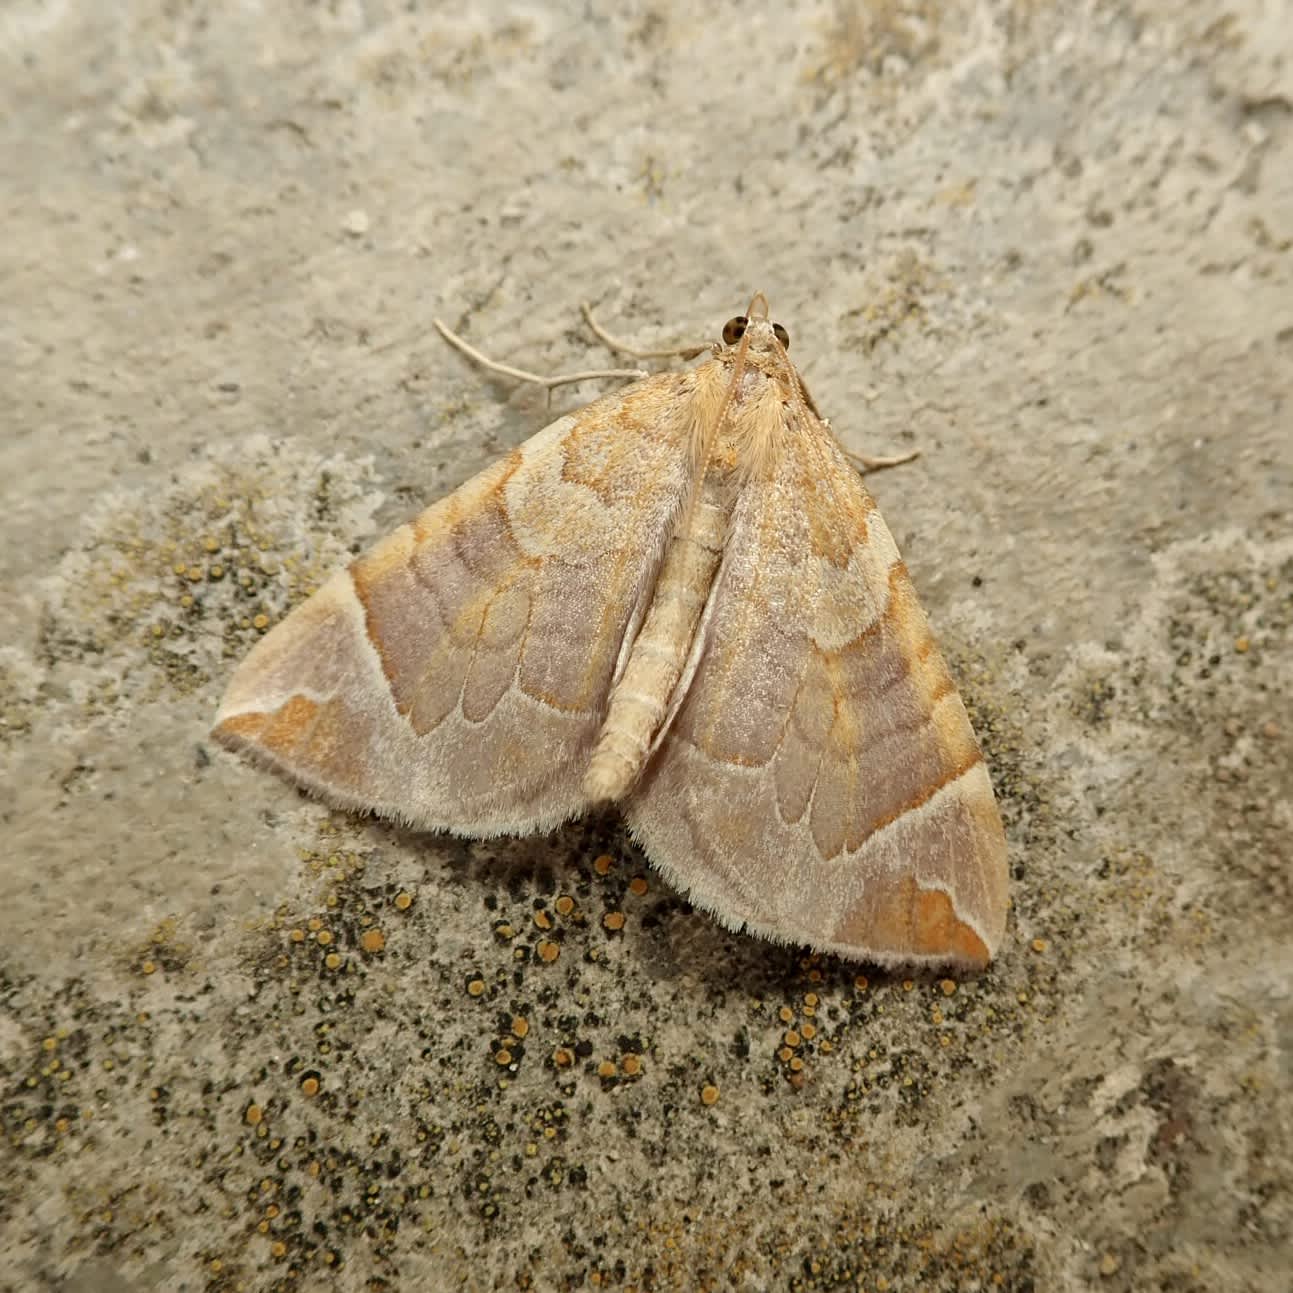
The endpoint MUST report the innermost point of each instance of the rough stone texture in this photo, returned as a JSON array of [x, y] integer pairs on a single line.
[[1050, 245]]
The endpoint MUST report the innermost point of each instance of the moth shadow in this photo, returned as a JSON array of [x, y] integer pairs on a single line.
[[511, 879]]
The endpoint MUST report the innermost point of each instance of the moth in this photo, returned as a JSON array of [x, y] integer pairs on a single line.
[[682, 601]]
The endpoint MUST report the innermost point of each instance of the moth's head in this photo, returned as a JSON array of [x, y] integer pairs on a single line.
[[754, 332]]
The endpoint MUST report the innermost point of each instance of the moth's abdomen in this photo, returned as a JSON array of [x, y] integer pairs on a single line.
[[641, 698]]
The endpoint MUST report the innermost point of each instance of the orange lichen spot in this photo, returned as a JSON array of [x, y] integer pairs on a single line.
[[403, 901], [948, 986], [784, 1054], [149, 967], [193, 574], [791, 1039], [49, 1044], [210, 544], [606, 1069], [297, 936], [313, 1168], [215, 1266], [253, 1115], [861, 983], [638, 886], [324, 937], [810, 1000], [709, 1094], [603, 864], [785, 1014], [260, 622], [504, 930], [310, 1087], [475, 987], [1242, 644], [564, 905], [61, 1125], [278, 1248], [908, 985], [808, 1031], [796, 1065], [314, 924], [814, 976], [542, 919], [503, 1056], [179, 567], [372, 940], [826, 1048], [631, 1065], [1038, 945], [332, 960], [562, 1057], [520, 1026], [613, 920], [548, 952]]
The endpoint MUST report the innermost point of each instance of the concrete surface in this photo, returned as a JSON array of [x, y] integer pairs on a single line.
[[1050, 245]]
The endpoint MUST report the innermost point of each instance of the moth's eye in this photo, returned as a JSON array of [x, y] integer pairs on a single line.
[[734, 330], [781, 335]]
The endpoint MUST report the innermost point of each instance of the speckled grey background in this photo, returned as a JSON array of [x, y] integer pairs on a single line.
[[1048, 244]]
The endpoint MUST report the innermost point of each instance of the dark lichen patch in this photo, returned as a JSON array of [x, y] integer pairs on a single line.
[[167, 949], [1093, 699], [444, 1083], [48, 1094], [1221, 626], [901, 1252], [859, 44], [21, 694], [900, 299]]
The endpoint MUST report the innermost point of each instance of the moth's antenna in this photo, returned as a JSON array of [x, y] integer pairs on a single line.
[[623, 348], [521, 375]]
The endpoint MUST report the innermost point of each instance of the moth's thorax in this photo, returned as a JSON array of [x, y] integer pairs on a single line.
[[755, 401]]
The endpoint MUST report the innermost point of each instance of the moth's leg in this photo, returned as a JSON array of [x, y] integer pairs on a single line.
[[623, 348], [864, 464], [548, 383]]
